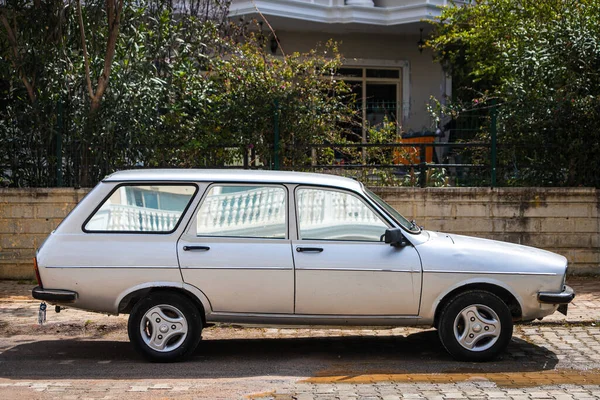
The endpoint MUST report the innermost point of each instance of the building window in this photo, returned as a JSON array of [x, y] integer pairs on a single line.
[[378, 94]]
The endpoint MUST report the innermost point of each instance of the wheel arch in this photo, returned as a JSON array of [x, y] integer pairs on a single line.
[[505, 294], [130, 297]]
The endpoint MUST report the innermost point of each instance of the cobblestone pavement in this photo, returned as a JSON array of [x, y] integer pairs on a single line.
[[79, 355]]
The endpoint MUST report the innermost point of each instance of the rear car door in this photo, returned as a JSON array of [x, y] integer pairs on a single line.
[[237, 249]]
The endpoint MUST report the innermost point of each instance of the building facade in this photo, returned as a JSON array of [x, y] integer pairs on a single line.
[[390, 73]]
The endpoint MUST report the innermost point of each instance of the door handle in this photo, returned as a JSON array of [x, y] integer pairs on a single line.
[[196, 248], [309, 249]]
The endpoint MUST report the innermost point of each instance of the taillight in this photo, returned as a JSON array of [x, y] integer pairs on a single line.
[[37, 273]]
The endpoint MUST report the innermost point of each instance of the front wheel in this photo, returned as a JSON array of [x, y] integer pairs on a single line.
[[475, 326], [164, 327]]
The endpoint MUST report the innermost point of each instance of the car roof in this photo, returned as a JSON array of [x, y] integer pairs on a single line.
[[232, 175]]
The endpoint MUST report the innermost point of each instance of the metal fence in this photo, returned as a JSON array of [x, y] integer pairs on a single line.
[[413, 167], [407, 164], [465, 152], [411, 164]]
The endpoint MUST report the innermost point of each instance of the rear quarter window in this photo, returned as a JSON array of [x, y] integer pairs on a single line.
[[147, 208]]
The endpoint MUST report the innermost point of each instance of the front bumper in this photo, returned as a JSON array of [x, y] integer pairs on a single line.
[[561, 298], [54, 295], [564, 297]]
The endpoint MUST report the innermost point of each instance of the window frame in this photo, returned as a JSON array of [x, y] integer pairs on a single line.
[[194, 220], [363, 199], [142, 183], [363, 80]]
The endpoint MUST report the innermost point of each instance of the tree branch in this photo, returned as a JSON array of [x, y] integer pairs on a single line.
[[86, 59], [272, 31], [114, 11], [16, 61]]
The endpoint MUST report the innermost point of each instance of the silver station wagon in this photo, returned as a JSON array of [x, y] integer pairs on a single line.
[[181, 249]]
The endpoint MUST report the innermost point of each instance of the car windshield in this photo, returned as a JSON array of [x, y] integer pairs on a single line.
[[410, 226]]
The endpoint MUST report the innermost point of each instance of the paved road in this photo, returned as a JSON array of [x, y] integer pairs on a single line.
[[79, 355], [542, 362]]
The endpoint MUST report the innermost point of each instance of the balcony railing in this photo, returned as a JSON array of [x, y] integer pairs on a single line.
[[258, 212], [234, 214], [126, 218], [262, 212]]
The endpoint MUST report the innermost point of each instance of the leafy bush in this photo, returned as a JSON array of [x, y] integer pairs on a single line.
[[539, 60], [87, 88]]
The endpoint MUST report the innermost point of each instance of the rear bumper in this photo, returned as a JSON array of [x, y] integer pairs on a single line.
[[564, 297], [54, 295]]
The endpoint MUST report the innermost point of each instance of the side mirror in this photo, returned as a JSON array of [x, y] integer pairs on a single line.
[[394, 237]]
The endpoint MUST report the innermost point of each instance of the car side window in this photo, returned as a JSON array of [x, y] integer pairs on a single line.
[[248, 211], [142, 208], [333, 215]]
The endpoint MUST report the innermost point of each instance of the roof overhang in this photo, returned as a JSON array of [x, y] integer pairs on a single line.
[[365, 18]]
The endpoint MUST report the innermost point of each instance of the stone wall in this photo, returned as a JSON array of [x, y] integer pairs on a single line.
[[27, 216], [561, 220]]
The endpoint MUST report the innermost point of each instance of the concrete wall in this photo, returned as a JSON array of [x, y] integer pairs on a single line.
[[564, 221], [27, 216], [561, 220]]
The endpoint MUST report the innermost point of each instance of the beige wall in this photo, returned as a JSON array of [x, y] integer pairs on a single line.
[[27, 216], [561, 220], [425, 75], [564, 221]]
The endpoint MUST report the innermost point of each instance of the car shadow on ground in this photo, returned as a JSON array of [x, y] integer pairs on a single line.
[[417, 353]]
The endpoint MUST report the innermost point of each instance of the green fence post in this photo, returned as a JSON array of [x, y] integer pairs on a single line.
[[276, 136], [59, 127], [245, 153], [494, 134], [422, 166]]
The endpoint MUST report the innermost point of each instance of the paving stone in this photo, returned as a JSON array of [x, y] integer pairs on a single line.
[[304, 396], [138, 389], [347, 393], [160, 386]]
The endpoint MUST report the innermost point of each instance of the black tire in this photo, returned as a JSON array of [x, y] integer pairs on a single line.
[[183, 323], [485, 342]]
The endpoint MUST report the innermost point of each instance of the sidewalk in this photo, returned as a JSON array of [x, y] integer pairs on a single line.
[[19, 311], [585, 308]]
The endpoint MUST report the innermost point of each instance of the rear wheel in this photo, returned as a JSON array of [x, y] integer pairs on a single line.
[[475, 326], [164, 327]]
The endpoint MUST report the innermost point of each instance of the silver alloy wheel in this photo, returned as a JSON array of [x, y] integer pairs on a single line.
[[163, 328], [477, 327]]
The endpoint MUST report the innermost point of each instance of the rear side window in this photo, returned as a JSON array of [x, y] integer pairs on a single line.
[[142, 208], [243, 211]]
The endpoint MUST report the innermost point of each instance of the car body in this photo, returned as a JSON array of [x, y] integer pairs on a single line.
[[194, 247]]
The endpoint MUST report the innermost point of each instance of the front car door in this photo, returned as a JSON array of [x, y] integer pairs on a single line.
[[342, 265], [237, 249]]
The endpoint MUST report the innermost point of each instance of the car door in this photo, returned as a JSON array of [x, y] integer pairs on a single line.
[[237, 249], [342, 265]]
